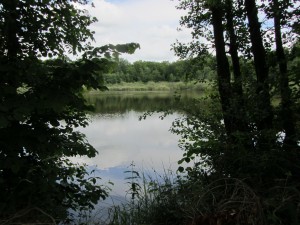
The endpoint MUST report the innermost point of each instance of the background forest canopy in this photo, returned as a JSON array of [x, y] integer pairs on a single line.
[[198, 58], [200, 69], [145, 71]]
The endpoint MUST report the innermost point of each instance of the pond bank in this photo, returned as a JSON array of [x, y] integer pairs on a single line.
[[159, 86]]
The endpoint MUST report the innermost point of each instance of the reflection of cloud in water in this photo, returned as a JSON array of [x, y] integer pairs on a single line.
[[123, 139]]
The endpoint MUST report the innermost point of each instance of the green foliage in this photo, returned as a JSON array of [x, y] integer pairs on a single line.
[[239, 134], [197, 69], [42, 105], [270, 174], [36, 24]]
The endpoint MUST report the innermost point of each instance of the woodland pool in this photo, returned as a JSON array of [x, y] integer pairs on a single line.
[[122, 138]]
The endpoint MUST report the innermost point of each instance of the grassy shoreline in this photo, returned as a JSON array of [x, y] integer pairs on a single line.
[[158, 86]]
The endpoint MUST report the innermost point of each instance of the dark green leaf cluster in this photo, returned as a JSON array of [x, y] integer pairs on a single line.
[[40, 110], [41, 105], [44, 28]]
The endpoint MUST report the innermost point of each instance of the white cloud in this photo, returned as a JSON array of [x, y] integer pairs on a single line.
[[151, 23]]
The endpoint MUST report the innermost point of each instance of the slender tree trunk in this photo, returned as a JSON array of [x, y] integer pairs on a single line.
[[239, 104], [286, 103], [263, 101], [233, 48], [222, 69]]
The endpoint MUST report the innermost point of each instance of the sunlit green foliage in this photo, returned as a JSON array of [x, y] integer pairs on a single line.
[[142, 71]]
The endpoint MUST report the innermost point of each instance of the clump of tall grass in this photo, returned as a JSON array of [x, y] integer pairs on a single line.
[[153, 200], [170, 200]]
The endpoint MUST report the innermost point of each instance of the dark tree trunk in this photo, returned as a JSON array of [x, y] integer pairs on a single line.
[[239, 105], [233, 49], [286, 103], [222, 69], [263, 101]]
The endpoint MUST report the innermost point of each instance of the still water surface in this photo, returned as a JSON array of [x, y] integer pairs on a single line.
[[121, 138]]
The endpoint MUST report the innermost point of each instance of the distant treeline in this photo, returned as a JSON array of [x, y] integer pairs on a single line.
[[201, 68], [145, 71]]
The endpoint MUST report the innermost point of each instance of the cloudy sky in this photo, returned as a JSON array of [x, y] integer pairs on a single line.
[[151, 23]]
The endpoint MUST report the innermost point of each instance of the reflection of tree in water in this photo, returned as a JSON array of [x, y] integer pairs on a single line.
[[139, 102]]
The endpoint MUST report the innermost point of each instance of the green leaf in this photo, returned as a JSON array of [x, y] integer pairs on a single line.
[[181, 169]]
